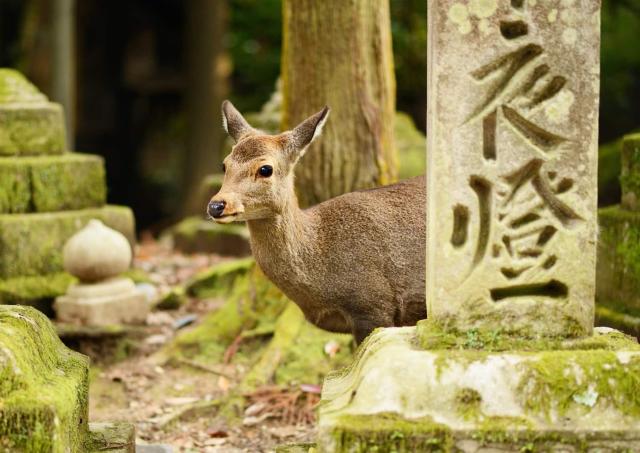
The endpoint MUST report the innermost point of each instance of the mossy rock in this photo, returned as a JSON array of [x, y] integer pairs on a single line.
[[37, 291], [51, 183], [111, 438], [16, 89], [31, 244], [398, 397], [220, 279], [197, 235], [630, 175], [618, 264], [43, 386]]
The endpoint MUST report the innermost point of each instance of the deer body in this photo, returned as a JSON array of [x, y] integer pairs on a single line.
[[351, 263]]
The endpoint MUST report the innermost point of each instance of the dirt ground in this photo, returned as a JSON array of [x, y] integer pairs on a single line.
[[177, 404]]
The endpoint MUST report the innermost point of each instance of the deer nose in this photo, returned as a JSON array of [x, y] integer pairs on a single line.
[[216, 208]]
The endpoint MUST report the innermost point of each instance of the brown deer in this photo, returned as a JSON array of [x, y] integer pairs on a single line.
[[351, 263]]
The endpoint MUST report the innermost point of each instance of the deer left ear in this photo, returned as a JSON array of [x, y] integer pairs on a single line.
[[307, 131]]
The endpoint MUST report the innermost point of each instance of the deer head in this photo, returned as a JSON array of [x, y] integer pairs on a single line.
[[258, 173]]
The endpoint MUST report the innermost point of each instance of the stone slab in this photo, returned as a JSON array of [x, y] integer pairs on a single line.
[[31, 244], [44, 391], [32, 129], [630, 175], [51, 183], [512, 165], [476, 394], [110, 302], [618, 275], [112, 438], [197, 235]]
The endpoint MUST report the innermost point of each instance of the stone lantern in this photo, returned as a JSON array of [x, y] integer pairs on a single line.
[[97, 255]]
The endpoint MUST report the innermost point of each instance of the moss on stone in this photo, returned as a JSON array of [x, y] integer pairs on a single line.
[[195, 234], [618, 264], [43, 386], [111, 437], [431, 336], [220, 279], [630, 175], [173, 299], [32, 129], [32, 244], [51, 183], [15, 88], [37, 291]]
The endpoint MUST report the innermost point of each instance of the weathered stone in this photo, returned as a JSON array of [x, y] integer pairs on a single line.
[[43, 395], [31, 244], [512, 165], [196, 235], [572, 395], [618, 274], [630, 177], [111, 438], [29, 124], [38, 291], [51, 183], [113, 301], [96, 252]]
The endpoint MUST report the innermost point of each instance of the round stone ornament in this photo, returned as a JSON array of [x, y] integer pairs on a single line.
[[96, 252]]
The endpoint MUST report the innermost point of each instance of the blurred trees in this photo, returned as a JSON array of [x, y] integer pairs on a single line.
[[339, 53]]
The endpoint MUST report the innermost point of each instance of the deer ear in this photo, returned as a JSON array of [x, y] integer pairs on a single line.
[[234, 123], [307, 131]]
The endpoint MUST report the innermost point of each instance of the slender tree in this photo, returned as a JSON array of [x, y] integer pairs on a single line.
[[339, 53]]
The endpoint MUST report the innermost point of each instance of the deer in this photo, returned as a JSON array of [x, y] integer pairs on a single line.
[[352, 263]]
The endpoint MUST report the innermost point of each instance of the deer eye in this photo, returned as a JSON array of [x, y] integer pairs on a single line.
[[265, 171]]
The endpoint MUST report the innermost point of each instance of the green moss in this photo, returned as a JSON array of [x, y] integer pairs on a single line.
[[43, 386], [195, 234], [32, 129], [431, 336], [174, 299], [618, 264], [15, 88], [32, 244], [388, 432], [51, 183], [36, 291], [468, 403], [630, 175], [556, 381], [137, 275], [304, 447], [219, 279]]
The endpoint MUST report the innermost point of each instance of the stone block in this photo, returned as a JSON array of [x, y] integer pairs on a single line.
[[618, 271], [51, 183], [33, 129], [630, 176], [31, 244], [512, 165], [29, 124], [111, 438], [44, 391], [196, 235], [112, 301], [37, 291], [501, 395]]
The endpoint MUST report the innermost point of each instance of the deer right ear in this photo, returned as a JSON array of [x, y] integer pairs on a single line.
[[234, 123], [307, 131]]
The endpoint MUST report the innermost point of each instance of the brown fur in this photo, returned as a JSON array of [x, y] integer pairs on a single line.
[[352, 263]]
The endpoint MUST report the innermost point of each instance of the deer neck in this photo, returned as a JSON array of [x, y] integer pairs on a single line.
[[282, 243]]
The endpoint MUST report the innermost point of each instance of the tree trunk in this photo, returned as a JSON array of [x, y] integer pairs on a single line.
[[205, 90], [63, 74], [338, 53]]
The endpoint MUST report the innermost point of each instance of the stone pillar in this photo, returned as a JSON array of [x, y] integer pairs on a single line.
[[508, 360], [513, 116]]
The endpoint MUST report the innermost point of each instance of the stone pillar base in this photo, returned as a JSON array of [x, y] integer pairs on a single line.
[[422, 389], [114, 301]]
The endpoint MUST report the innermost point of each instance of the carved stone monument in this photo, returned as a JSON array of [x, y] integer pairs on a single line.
[[508, 360]]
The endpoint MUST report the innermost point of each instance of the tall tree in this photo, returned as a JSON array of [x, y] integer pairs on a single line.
[[339, 53], [206, 87]]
